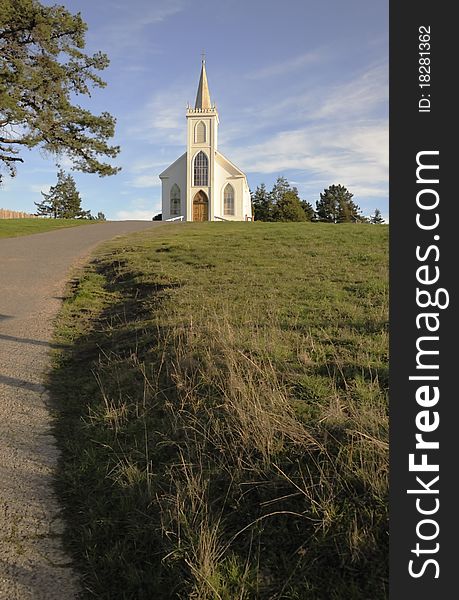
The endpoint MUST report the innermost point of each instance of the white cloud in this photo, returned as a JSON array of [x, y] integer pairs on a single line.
[[339, 134], [355, 158], [287, 66], [125, 25], [162, 119], [143, 164], [36, 188], [361, 95], [64, 161], [136, 214], [145, 181]]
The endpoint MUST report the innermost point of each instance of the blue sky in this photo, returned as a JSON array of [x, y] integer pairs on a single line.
[[301, 87]]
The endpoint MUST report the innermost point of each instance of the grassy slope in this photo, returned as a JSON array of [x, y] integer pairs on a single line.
[[17, 227], [221, 406]]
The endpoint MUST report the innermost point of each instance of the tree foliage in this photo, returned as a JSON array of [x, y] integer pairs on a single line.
[[289, 208], [376, 218], [308, 210], [282, 203], [262, 204], [63, 200], [336, 206], [42, 68]]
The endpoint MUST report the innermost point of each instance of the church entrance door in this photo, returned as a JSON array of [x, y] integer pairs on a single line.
[[201, 207]]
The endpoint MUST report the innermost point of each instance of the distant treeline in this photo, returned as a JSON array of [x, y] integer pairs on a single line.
[[283, 203], [15, 214]]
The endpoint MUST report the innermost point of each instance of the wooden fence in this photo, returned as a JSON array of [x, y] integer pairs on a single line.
[[15, 214]]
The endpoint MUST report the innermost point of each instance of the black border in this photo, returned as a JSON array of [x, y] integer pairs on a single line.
[[411, 132]]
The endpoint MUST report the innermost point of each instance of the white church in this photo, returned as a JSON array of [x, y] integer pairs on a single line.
[[203, 185]]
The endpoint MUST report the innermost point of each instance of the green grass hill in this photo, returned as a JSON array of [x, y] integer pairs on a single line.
[[220, 396], [18, 227]]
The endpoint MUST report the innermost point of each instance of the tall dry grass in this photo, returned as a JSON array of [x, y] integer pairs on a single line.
[[242, 465]]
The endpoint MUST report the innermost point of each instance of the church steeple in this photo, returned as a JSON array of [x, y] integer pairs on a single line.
[[203, 95]]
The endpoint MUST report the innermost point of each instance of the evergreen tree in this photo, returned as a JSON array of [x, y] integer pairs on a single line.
[[282, 203], [101, 216], [308, 210], [280, 188], [289, 208], [336, 206], [286, 202], [63, 200], [262, 204], [376, 218], [42, 69]]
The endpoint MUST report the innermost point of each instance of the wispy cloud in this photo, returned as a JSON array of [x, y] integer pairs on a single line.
[[141, 165], [338, 134], [355, 101], [145, 181], [357, 97], [36, 188], [140, 208], [161, 121], [287, 66], [340, 155], [126, 24], [136, 214]]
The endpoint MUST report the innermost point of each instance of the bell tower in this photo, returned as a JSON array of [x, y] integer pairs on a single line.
[[202, 132]]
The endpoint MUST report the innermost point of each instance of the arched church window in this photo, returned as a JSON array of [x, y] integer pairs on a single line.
[[200, 133], [228, 200], [176, 205], [201, 169]]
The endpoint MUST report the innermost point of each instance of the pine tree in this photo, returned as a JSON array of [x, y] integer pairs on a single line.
[[289, 208], [42, 70], [280, 188], [63, 200], [286, 202], [262, 204], [376, 218], [308, 210], [336, 206], [282, 203]]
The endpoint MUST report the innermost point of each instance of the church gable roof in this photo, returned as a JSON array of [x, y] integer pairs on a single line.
[[167, 171], [228, 165]]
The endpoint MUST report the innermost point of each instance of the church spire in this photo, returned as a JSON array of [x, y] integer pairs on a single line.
[[203, 95]]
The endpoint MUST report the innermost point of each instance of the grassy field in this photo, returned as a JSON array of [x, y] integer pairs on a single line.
[[221, 406], [17, 227]]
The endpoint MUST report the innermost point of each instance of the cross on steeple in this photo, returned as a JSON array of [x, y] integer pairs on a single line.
[[203, 56]]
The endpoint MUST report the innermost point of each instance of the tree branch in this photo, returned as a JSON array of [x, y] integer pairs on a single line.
[[22, 141], [8, 159]]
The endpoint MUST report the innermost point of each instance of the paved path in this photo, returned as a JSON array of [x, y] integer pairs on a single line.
[[33, 271]]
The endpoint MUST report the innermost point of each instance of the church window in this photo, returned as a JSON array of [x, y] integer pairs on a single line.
[[228, 200], [200, 133], [176, 206], [201, 169]]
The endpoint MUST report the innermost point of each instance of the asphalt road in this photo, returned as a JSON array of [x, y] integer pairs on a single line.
[[33, 272]]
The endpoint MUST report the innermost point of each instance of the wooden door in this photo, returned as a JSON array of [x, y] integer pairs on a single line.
[[200, 207]]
